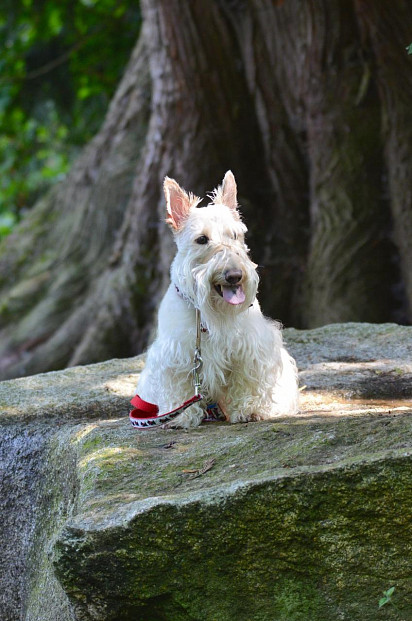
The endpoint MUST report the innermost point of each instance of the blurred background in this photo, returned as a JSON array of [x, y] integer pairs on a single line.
[[56, 85], [308, 102]]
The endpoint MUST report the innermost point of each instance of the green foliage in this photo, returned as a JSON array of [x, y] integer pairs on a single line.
[[60, 61], [7, 222], [387, 597], [409, 48]]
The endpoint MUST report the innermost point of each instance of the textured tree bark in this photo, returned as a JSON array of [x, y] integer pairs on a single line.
[[50, 267], [279, 223], [348, 259], [389, 28], [288, 95]]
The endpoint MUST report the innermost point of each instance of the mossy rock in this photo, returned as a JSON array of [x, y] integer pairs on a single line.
[[303, 520], [298, 519]]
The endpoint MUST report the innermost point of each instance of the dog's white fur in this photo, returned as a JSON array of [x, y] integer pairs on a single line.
[[246, 369]]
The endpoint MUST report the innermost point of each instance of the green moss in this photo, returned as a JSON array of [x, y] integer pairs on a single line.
[[118, 463], [296, 599], [266, 533]]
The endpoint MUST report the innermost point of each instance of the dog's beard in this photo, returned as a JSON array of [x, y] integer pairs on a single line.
[[205, 286]]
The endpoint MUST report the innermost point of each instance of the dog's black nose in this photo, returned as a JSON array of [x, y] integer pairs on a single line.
[[233, 276]]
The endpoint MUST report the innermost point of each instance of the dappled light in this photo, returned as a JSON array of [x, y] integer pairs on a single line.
[[122, 385], [327, 403]]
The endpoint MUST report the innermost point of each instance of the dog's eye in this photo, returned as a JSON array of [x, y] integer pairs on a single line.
[[234, 235], [203, 239]]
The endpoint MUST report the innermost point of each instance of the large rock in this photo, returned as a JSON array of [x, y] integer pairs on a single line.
[[299, 519]]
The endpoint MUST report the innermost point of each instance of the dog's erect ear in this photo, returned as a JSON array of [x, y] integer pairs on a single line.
[[228, 192], [178, 203]]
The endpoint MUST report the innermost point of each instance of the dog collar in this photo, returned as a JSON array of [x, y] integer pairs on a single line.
[[183, 296], [186, 298]]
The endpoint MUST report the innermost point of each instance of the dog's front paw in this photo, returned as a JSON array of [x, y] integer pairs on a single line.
[[243, 417]]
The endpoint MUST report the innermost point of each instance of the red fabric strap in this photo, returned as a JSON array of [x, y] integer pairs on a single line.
[[147, 414], [147, 409]]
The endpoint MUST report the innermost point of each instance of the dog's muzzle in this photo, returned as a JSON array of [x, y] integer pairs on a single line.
[[231, 290]]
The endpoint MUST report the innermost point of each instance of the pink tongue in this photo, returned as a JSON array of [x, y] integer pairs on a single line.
[[233, 295]]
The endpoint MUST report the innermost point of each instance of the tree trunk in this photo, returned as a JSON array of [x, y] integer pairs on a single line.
[[288, 95], [389, 28]]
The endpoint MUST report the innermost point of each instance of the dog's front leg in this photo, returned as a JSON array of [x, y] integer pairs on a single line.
[[239, 400], [250, 398], [177, 388]]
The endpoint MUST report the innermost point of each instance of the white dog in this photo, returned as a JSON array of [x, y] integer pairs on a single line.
[[246, 369]]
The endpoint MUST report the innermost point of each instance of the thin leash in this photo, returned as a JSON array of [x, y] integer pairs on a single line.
[[197, 358]]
